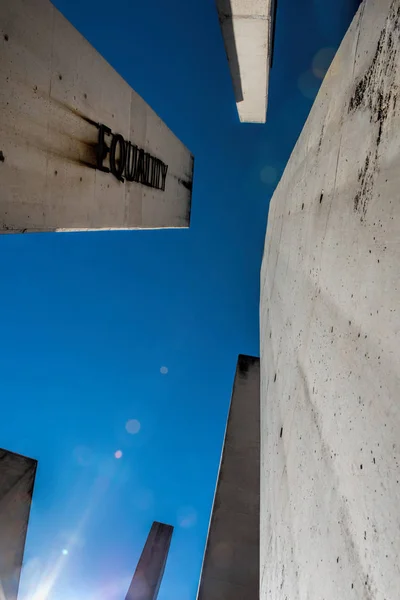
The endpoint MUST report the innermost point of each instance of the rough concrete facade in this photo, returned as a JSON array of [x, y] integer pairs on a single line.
[[17, 476], [247, 29], [54, 91], [231, 561], [150, 569], [330, 325]]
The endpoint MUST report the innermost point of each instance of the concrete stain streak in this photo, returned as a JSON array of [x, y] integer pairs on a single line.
[[377, 92]]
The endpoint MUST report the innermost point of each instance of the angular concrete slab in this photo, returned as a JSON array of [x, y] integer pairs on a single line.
[[231, 561], [59, 170], [330, 335], [17, 476], [247, 29], [150, 569]]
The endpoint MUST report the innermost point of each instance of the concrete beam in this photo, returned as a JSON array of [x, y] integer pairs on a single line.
[[231, 561], [55, 90], [247, 29], [330, 327], [17, 476], [150, 569]]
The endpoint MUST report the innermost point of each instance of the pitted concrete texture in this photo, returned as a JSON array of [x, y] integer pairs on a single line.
[[54, 89], [246, 27], [330, 345], [231, 561], [17, 476]]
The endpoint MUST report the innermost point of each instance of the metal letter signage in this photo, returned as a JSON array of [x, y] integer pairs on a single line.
[[127, 161]]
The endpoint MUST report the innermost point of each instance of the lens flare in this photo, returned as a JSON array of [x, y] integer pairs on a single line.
[[133, 426]]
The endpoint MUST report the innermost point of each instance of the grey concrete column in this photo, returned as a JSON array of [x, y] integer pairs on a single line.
[[17, 476], [231, 561], [330, 335], [248, 30], [150, 569]]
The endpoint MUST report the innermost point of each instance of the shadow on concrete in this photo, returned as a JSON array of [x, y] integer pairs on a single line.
[[224, 8]]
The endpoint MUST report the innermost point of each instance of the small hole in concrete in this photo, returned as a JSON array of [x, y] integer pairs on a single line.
[[321, 196], [275, 377], [60, 77], [2, 158], [6, 37], [80, 179], [55, 172], [360, 466], [302, 206], [85, 96], [281, 432]]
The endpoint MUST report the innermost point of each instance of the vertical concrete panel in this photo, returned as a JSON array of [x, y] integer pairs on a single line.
[[246, 27], [231, 561], [150, 570], [54, 89], [17, 476], [330, 375]]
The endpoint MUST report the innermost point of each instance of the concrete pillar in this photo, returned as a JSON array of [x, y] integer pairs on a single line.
[[248, 29], [17, 476], [79, 149], [330, 331], [150, 569], [231, 561]]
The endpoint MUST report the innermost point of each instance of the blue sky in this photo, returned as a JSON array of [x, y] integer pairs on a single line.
[[89, 320]]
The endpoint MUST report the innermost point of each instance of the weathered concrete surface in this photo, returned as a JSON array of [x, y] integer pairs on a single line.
[[52, 82], [330, 324], [246, 27], [150, 569], [17, 476], [231, 561]]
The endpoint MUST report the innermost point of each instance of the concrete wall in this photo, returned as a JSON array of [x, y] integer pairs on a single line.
[[330, 345], [150, 569], [246, 28], [231, 561], [54, 88], [17, 476]]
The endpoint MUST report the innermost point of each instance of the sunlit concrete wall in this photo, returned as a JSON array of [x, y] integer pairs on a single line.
[[231, 561], [330, 344], [247, 27], [54, 88], [17, 476]]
